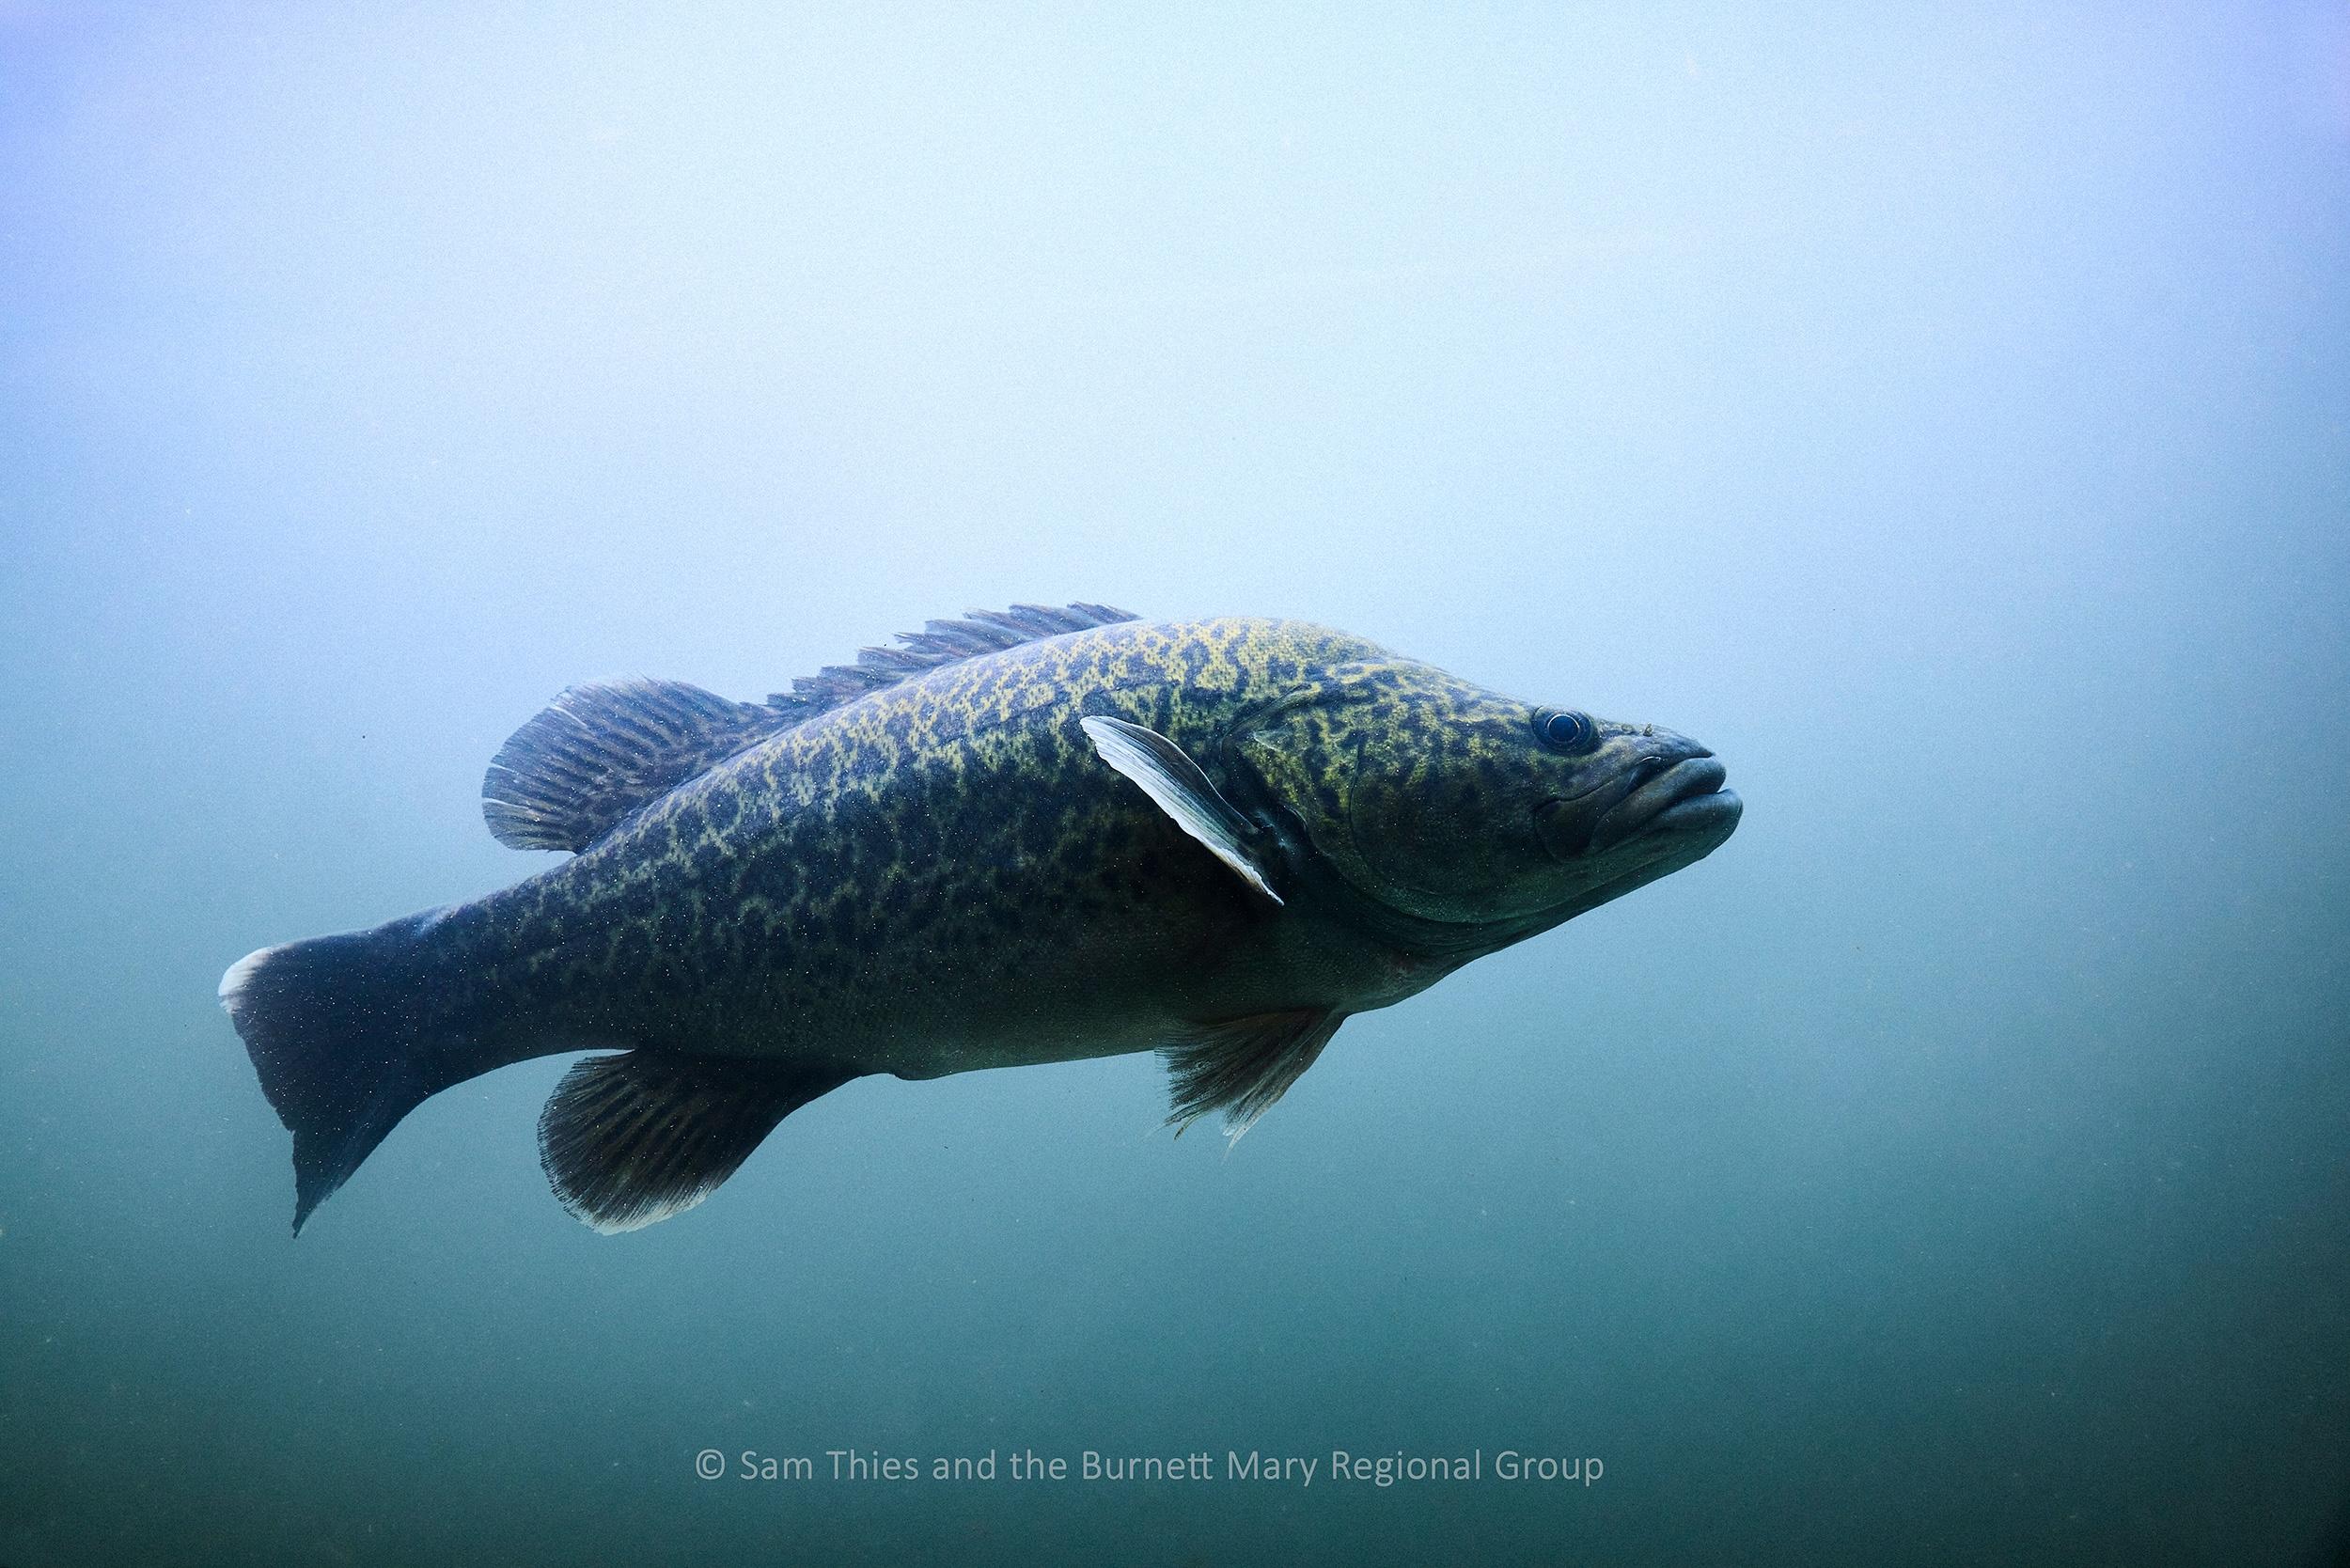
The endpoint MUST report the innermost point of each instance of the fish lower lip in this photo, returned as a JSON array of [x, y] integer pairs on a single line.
[[1662, 803], [1714, 810]]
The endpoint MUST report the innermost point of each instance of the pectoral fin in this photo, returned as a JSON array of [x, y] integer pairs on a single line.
[[1243, 1065], [1175, 784]]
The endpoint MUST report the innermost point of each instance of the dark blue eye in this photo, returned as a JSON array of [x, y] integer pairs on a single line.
[[1567, 731]]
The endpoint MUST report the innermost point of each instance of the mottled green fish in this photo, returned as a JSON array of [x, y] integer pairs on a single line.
[[1024, 837]]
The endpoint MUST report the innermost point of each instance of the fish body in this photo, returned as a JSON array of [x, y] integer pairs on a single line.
[[940, 877], [1022, 838]]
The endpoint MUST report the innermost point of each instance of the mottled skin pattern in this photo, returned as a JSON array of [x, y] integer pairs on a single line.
[[945, 875], [940, 875], [1218, 837]]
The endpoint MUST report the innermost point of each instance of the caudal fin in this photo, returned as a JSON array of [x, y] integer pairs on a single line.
[[342, 1030]]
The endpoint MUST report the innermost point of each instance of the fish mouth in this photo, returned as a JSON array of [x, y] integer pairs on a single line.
[[1675, 799]]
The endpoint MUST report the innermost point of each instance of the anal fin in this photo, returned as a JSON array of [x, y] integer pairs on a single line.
[[631, 1139], [1243, 1065]]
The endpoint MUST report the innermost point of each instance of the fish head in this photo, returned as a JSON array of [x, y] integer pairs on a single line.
[[1448, 802]]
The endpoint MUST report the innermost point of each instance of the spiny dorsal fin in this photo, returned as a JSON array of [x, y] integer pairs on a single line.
[[1242, 1065], [600, 751], [631, 1139], [939, 642]]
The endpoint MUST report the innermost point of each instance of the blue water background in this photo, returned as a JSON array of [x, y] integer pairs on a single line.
[[1942, 411]]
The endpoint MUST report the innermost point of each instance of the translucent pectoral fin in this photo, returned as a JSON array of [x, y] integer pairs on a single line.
[[1177, 786]]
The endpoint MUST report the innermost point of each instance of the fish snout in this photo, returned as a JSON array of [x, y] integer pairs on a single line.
[[1672, 784]]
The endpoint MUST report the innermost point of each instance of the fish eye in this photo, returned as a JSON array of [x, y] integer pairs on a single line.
[[1563, 730]]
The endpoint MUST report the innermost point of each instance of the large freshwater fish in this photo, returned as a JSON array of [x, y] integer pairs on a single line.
[[1025, 837]]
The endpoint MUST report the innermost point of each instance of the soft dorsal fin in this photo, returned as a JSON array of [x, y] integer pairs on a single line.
[[939, 642], [1242, 1065], [600, 751], [633, 1138]]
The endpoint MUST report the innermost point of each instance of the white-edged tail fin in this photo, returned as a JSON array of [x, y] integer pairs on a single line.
[[345, 1034], [232, 984]]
